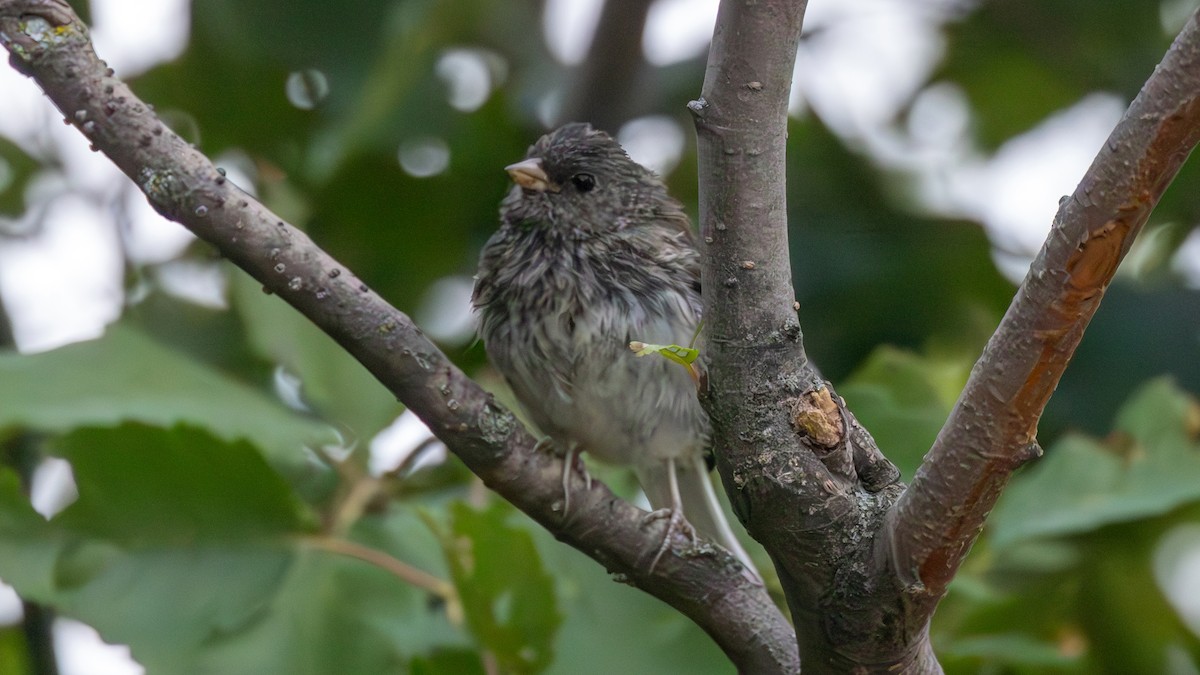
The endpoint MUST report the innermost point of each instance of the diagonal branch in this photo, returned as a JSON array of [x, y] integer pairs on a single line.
[[47, 42], [992, 429]]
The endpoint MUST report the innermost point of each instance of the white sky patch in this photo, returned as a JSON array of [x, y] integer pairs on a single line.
[[151, 239], [1016, 192], [200, 282], [656, 142], [65, 284], [678, 30], [10, 605], [25, 110], [863, 60], [445, 311], [81, 651], [52, 487], [1187, 260], [940, 117], [134, 35], [392, 446], [1177, 570], [568, 25]]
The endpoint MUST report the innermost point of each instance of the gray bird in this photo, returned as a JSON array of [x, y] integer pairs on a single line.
[[591, 254]]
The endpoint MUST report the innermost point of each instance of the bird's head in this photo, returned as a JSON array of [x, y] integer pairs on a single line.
[[578, 178]]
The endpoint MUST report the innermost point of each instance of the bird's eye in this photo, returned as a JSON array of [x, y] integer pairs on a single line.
[[584, 182]]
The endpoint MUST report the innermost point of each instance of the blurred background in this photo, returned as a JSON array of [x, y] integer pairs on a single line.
[[196, 480]]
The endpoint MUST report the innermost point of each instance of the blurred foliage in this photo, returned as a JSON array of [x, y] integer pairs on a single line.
[[1064, 583], [223, 513], [1021, 61]]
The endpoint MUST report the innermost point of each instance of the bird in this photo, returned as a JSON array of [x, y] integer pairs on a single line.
[[591, 254]]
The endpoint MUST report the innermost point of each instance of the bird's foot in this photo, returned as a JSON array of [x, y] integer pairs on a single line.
[[570, 458], [675, 523]]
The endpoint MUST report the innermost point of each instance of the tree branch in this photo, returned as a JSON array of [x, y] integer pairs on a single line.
[[785, 445], [600, 92], [992, 429], [47, 41]]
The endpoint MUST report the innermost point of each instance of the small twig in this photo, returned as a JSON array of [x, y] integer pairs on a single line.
[[354, 502], [410, 575]]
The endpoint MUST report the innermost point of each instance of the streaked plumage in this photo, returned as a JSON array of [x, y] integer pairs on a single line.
[[593, 253]]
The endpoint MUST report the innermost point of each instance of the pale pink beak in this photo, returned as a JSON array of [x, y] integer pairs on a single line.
[[530, 175]]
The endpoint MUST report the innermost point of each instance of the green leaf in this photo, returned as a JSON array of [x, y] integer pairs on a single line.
[[329, 614], [176, 538], [903, 399], [1147, 468], [1128, 622], [125, 376], [681, 355], [601, 612], [331, 380], [140, 484], [507, 596], [14, 651], [684, 356], [189, 549], [448, 662]]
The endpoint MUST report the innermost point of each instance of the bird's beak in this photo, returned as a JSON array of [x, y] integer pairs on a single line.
[[530, 175]]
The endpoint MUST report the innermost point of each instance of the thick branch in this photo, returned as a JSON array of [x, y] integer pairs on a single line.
[[992, 430], [785, 446], [47, 42], [756, 355]]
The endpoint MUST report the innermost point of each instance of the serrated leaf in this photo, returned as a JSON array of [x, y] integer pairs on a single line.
[[190, 550]]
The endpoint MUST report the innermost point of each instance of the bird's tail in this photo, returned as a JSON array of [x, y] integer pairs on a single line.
[[697, 499]]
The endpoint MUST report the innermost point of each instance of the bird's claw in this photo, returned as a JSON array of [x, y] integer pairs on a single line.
[[569, 458], [675, 523]]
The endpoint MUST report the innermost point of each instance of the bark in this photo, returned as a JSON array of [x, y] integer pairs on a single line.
[[864, 563], [47, 42], [993, 427], [806, 480]]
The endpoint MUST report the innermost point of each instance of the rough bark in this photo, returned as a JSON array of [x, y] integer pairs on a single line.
[[863, 563], [806, 480], [47, 42], [992, 429]]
